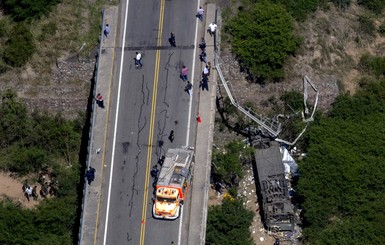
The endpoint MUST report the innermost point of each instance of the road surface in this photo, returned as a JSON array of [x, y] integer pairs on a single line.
[[150, 102]]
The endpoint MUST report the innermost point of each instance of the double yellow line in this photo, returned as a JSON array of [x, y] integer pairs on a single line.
[[152, 122]]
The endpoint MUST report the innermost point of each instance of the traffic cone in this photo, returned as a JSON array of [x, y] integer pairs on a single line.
[[199, 118]]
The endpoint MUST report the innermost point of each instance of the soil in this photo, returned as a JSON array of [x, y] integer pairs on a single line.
[[11, 188]]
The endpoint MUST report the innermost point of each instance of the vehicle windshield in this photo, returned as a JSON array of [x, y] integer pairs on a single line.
[[168, 200]]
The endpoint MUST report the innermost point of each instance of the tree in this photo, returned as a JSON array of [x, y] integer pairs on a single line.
[[13, 119], [376, 6], [19, 47], [228, 224], [262, 38], [342, 177], [21, 10], [229, 163], [299, 8]]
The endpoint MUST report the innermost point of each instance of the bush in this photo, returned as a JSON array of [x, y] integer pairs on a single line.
[[262, 38], [343, 199], [19, 47], [299, 8], [293, 100], [367, 25], [21, 10], [228, 164], [376, 6], [25, 160], [373, 64], [13, 121], [381, 29], [229, 224]]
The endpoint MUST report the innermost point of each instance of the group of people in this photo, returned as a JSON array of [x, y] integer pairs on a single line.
[[30, 192], [203, 57], [47, 187]]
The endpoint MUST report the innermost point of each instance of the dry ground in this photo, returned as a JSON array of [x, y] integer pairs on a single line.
[[11, 188]]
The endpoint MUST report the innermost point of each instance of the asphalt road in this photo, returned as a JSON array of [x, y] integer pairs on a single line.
[[152, 102]]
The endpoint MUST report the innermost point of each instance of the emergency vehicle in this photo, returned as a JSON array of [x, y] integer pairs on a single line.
[[173, 183]]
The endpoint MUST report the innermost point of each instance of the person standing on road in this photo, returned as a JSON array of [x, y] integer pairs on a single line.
[[171, 136], [183, 73], [172, 39], [154, 171], [138, 60], [200, 13], [188, 88], [161, 161]]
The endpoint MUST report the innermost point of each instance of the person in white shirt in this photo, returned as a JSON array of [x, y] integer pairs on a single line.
[[212, 28], [205, 71], [138, 60]]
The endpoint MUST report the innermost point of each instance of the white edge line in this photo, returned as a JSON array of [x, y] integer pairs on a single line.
[[189, 111], [115, 127], [192, 79]]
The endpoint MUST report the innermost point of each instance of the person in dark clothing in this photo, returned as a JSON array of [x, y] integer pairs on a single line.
[[161, 161], [188, 87], [202, 56], [154, 171], [276, 241], [202, 45], [218, 187], [172, 40], [171, 136], [204, 83], [90, 175]]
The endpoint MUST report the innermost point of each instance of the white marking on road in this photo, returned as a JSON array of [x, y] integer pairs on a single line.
[[115, 126], [190, 108], [192, 79]]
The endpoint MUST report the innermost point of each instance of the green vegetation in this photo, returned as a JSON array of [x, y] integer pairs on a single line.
[[367, 26], [19, 46], [373, 64], [342, 177], [299, 9], [376, 6], [262, 38], [293, 101], [227, 164], [381, 29], [60, 27], [22, 10], [29, 144], [228, 224]]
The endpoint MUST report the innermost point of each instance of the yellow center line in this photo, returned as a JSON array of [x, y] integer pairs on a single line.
[[152, 121]]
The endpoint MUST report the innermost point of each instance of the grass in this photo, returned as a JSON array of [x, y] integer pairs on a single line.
[[64, 31]]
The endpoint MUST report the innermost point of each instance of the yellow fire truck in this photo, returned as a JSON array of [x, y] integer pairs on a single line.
[[173, 183]]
